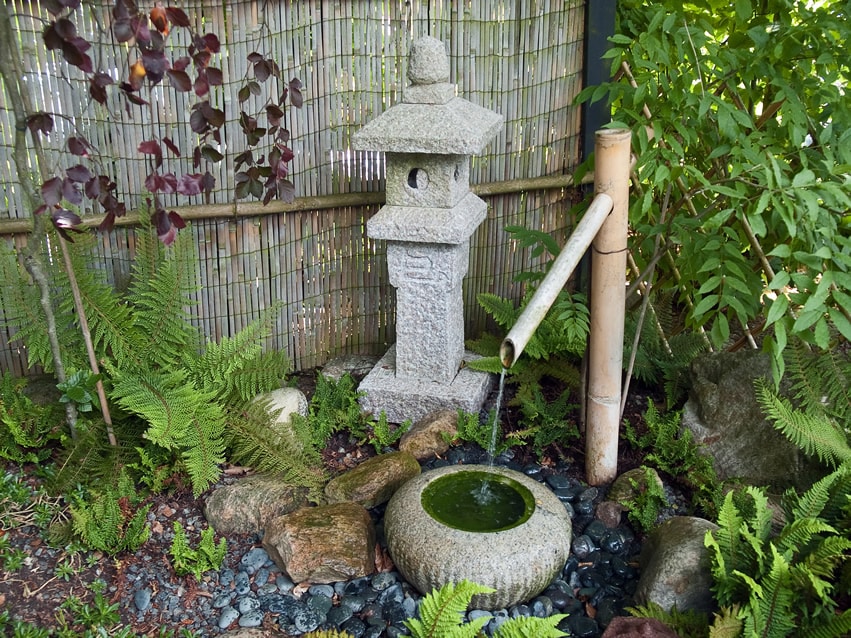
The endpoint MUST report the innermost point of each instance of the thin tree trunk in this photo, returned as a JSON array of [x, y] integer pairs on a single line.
[[19, 100]]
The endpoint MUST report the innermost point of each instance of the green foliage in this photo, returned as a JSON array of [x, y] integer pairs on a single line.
[[480, 431], [821, 389], [544, 423], [110, 520], [382, 435], [785, 584], [672, 450], [746, 175], [288, 452], [649, 499], [207, 556], [99, 613], [159, 371], [327, 633], [26, 428], [333, 408], [79, 388], [665, 348], [442, 616]]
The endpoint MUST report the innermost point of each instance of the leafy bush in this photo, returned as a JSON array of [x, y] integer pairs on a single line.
[[672, 449], [26, 428], [742, 129], [110, 520], [786, 585]]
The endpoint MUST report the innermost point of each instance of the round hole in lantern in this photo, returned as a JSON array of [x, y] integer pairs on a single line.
[[417, 178]]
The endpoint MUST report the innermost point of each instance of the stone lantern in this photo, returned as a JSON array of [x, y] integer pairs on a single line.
[[427, 222]]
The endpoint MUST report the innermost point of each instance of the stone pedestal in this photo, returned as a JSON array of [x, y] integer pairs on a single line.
[[427, 223]]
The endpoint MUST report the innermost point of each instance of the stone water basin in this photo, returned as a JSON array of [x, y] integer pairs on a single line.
[[518, 553]]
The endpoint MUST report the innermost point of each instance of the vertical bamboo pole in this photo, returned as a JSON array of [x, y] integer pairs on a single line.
[[608, 290]]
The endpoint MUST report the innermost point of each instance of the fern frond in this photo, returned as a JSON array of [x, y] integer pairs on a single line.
[[814, 434], [287, 452], [821, 381], [180, 417], [727, 623], [531, 627], [834, 627], [162, 288], [502, 310], [811, 503], [800, 532], [235, 368], [442, 612], [772, 601]]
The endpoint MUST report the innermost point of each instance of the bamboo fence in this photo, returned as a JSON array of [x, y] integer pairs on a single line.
[[522, 59]]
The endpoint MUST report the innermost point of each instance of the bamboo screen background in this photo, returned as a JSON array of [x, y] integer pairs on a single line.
[[522, 59]]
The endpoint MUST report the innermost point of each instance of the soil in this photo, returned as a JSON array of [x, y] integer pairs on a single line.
[[35, 591]]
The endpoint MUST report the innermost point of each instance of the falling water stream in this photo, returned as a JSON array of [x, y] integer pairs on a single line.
[[484, 494]]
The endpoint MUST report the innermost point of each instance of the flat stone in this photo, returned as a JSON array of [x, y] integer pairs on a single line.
[[428, 436], [323, 544], [626, 627], [357, 365], [374, 481], [246, 506]]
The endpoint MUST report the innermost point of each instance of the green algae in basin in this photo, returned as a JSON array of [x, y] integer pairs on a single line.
[[478, 501]]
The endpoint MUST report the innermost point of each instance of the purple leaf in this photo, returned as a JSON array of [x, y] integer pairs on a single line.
[[171, 146], [71, 192], [78, 146], [179, 80], [65, 218], [79, 173], [177, 16], [190, 184], [296, 98], [286, 191], [51, 191]]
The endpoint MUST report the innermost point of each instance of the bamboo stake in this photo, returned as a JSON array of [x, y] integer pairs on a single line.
[[608, 289]]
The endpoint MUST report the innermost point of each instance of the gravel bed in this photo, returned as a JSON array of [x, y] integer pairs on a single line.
[[250, 591]]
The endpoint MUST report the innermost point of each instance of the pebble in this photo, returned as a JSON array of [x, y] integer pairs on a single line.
[[248, 604], [253, 618], [253, 560], [228, 615], [142, 599]]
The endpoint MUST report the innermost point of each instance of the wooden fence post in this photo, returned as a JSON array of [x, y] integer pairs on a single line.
[[608, 289]]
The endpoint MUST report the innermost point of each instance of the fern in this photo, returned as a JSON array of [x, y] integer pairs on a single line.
[[813, 432], [180, 417], [784, 584], [442, 616], [531, 627], [672, 449], [545, 422], [110, 521], [207, 556], [25, 427], [287, 452], [442, 612]]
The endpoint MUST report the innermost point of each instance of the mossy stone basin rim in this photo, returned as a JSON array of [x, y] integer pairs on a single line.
[[518, 561]]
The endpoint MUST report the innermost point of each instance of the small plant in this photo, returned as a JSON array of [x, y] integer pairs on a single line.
[[99, 613], [207, 556], [79, 387], [442, 616], [382, 436], [474, 429], [110, 520], [26, 429], [692, 624], [672, 450], [545, 422], [649, 499], [65, 570]]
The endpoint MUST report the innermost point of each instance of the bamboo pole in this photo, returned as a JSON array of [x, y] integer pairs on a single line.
[[320, 202], [608, 290], [564, 265]]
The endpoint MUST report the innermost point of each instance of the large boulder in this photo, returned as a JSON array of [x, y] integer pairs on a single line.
[[374, 481], [725, 418], [323, 544], [247, 505], [428, 436], [675, 567]]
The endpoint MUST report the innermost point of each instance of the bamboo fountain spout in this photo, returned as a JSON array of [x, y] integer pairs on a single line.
[[603, 227]]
